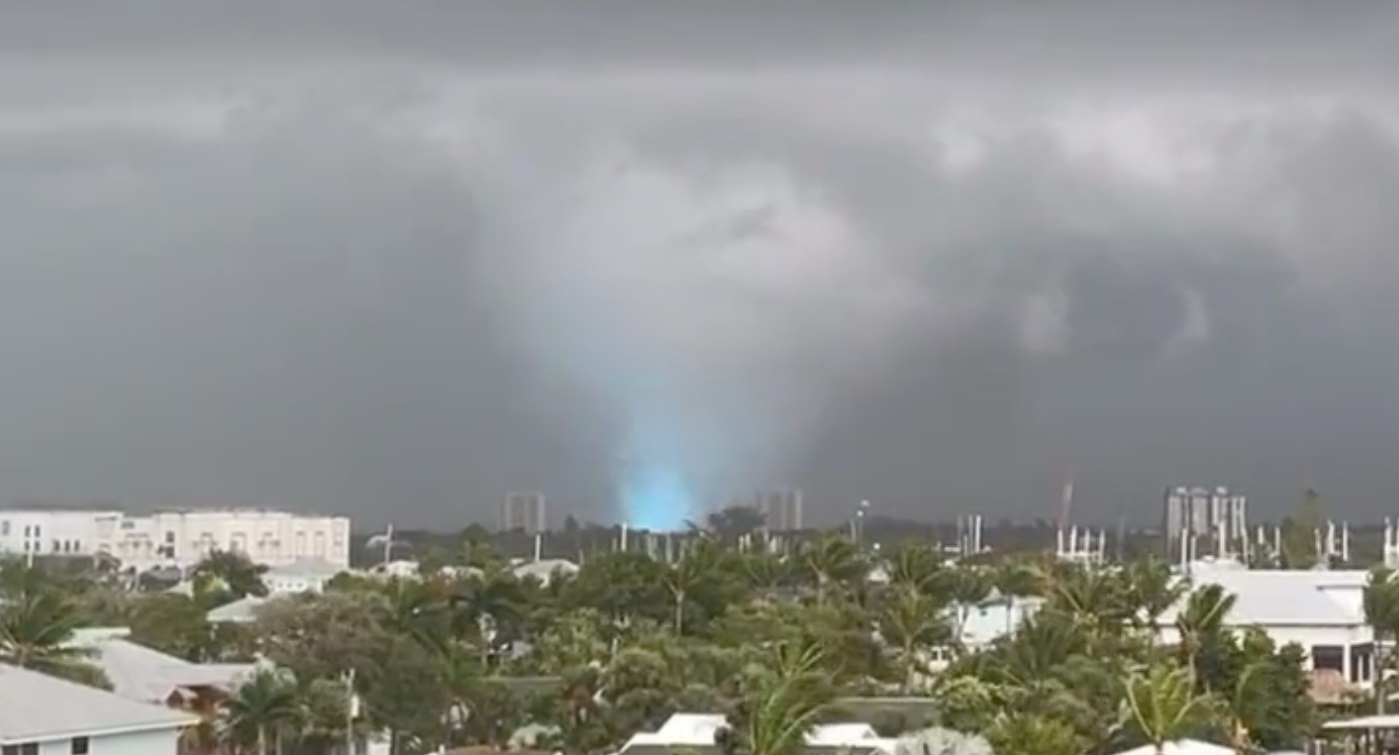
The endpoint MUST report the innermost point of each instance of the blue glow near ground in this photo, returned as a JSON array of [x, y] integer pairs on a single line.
[[656, 498]]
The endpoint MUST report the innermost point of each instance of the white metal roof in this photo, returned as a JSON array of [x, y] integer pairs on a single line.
[[697, 730], [35, 707], [240, 611], [1182, 747], [305, 568], [140, 673], [1287, 598], [1389, 721]]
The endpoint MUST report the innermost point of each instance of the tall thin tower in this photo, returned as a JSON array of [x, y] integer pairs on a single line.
[[1066, 501]]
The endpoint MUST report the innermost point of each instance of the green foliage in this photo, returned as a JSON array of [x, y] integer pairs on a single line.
[[1299, 533], [465, 653]]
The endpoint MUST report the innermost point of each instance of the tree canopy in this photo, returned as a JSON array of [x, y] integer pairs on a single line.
[[777, 642]]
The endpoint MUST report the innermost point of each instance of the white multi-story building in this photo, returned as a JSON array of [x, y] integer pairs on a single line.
[[272, 538], [57, 532]]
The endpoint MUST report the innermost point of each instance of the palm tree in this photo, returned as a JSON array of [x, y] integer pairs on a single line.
[[916, 567], [766, 572], [1152, 590], [830, 561], [1027, 734], [264, 709], [1202, 619], [967, 587], [37, 623], [914, 623], [487, 610], [1381, 603], [1162, 706], [783, 703], [697, 567]]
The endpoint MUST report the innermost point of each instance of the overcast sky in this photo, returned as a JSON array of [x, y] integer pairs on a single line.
[[396, 258]]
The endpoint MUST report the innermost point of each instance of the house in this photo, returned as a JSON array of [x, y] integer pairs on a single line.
[[1322, 611], [241, 611], [305, 575], [44, 715], [142, 674], [695, 732]]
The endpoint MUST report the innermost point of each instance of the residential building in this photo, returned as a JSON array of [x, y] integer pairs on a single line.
[[241, 611], [524, 511], [1322, 611], [781, 509], [272, 538], [307, 575], [145, 675], [44, 715]]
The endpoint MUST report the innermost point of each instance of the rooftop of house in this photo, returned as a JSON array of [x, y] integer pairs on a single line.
[[35, 707], [307, 567], [240, 611], [141, 673], [1287, 598], [697, 730]]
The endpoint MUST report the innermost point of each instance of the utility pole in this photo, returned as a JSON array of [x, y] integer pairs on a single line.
[[351, 711]]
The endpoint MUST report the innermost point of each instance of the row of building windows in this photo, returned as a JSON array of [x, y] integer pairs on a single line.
[[59, 546], [77, 746], [29, 530]]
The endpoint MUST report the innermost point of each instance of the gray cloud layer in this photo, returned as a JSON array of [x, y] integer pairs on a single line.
[[396, 259]]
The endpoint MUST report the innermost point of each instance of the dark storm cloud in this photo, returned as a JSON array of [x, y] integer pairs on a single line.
[[398, 259]]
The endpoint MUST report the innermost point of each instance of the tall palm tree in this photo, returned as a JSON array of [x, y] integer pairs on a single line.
[[916, 567], [830, 561], [1152, 590], [1381, 603], [696, 567], [967, 587], [487, 610], [1203, 618], [1162, 705], [264, 709], [914, 623]]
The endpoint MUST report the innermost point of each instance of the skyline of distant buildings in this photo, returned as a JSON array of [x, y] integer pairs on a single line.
[[524, 511], [781, 508], [1200, 521]]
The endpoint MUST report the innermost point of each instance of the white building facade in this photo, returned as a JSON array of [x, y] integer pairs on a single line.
[[272, 538], [1322, 611]]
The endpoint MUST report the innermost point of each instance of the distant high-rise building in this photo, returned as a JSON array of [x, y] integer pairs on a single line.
[[781, 509], [1198, 522], [524, 511]]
